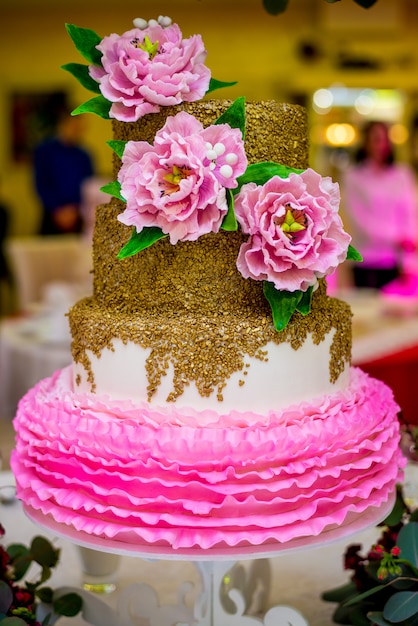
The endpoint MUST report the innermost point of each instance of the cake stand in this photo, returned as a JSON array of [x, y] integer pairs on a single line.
[[230, 594]]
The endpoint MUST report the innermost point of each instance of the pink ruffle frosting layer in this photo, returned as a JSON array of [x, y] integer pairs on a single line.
[[185, 479]]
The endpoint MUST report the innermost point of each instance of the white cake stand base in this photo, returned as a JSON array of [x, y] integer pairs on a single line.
[[231, 594], [220, 603]]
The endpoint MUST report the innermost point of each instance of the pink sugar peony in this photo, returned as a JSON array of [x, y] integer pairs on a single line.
[[296, 234], [143, 69], [178, 185]]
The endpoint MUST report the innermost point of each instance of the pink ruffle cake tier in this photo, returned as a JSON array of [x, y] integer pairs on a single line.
[[185, 479]]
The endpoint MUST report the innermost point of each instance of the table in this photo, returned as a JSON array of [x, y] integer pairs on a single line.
[[379, 328], [30, 349], [297, 578], [385, 344]]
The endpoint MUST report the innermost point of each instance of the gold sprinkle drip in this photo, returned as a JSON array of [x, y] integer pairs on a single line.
[[187, 303], [206, 349]]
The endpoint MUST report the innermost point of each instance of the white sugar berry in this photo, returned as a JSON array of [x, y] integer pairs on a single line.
[[226, 171], [140, 23], [231, 158], [164, 21]]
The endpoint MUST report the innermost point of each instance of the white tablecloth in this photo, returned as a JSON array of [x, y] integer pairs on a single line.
[[298, 578], [380, 327], [28, 353]]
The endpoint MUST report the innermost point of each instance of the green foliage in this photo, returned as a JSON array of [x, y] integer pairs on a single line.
[[85, 40], [234, 115], [260, 173], [98, 105], [69, 604], [398, 511], [117, 146], [386, 592], [81, 73], [284, 303], [6, 597], [401, 606], [42, 553], [353, 255], [218, 84], [21, 559], [139, 241], [113, 188], [230, 221]]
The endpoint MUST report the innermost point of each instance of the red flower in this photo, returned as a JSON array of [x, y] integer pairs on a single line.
[[352, 557], [4, 561], [23, 597]]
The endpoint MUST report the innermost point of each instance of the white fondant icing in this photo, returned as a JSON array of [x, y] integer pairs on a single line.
[[288, 377]]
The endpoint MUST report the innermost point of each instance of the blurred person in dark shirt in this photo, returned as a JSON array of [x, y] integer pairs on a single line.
[[61, 165]]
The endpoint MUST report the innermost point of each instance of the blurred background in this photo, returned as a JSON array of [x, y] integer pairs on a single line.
[[344, 63]]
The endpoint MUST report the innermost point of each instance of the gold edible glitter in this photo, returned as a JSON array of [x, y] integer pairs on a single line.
[[187, 303]]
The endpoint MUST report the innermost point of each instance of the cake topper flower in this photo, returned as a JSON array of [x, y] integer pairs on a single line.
[[149, 66], [187, 184], [181, 186], [195, 180], [296, 236]]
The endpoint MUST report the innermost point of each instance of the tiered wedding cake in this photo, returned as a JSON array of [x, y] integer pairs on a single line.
[[210, 402]]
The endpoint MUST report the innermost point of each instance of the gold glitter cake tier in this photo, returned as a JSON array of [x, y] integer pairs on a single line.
[[194, 276], [206, 349]]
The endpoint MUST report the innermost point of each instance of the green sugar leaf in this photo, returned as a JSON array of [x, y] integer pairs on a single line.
[[234, 115], [117, 146], [139, 241], [304, 305], [81, 73], [98, 105], [113, 189], [218, 84], [85, 40], [353, 255], [230, 221], [283, 304], [260, 173]]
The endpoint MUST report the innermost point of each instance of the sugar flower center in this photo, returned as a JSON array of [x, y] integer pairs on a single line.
[[174, 178], [150, 48], [293, 222]]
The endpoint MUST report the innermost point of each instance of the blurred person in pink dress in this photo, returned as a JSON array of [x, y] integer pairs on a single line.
[[380, 200]]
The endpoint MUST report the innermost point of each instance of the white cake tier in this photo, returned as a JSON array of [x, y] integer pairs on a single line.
[[286, 377]]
